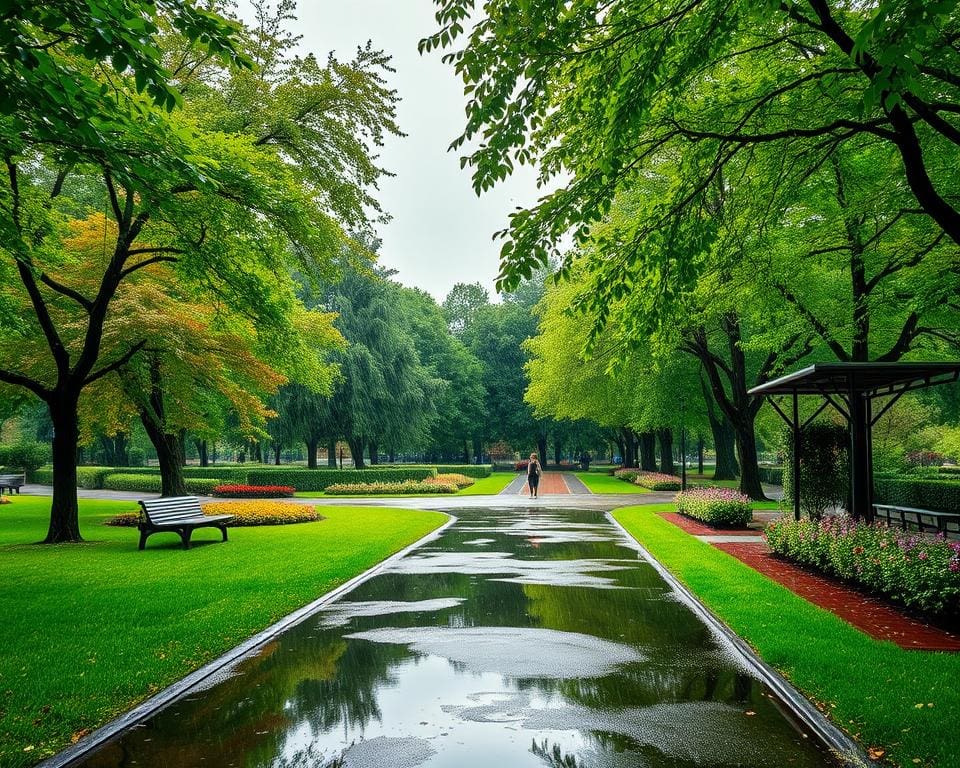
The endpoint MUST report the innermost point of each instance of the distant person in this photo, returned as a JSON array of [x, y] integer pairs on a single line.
[[534, 470]]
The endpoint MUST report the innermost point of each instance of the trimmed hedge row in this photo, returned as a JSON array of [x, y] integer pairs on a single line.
[[152, 484], [226, 474], [87, 477], [314, 480], [470, 470], [936, 495], [771, 475]]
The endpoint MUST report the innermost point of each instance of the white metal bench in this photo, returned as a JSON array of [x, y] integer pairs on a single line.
[[177, 514]]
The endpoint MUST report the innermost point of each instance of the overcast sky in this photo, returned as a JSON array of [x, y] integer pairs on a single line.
[[440, 232]]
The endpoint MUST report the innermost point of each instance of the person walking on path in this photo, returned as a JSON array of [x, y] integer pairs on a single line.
[[534, 470]]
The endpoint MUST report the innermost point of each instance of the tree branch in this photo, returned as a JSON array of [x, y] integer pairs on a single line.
[[116, 364], [67, 291]]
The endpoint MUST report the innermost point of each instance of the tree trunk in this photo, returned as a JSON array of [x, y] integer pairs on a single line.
[[202, 452], [648, 451], [699, 454], [629, 447], [724, 440], [557, 451], [466, 452], [169, 456], [374, 454], [332, 453], [542, 448], [277, 448], [621, 449], [64, 510], [749, 466], [477, 449], [312, 444], [356, 448], [665, 438]]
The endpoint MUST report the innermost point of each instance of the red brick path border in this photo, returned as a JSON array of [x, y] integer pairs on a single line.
[[551, 483], [874, 617], [699, 529]]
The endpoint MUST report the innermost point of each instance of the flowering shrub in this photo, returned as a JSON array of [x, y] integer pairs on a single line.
[[405, 487], [262, 512], [924, 458], [716, 506], [461, 481], [521, 466], [916, 570], [627, 474], [124, 520], [254, 491], [657, 481]]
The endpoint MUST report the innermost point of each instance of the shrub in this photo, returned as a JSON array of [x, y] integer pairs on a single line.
[[320, 479], [461, 481], [470, 470], [950, 470], [254, 491], [939, 495], [137, 457], [657, 481], [916, 570], [152, 484], [124, 520], [924, 459], [521, 466], [824, 468], [223, 474], [262, 512], [429, 486], [722, 507], [24, 456], [627, 474], [87, 477]]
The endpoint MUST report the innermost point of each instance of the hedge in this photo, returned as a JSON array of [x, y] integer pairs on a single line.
[[25, 457], [470, 470], [87, 477], [721, 507], [771, 475], [226, 474], [319, 480], [152, 483], [936, 495]]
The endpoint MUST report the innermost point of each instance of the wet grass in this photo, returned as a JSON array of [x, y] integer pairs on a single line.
[[483, 486], [598, 483], [90, 629], [902, 702]]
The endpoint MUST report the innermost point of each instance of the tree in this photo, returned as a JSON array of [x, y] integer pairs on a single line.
[[462, 304], [226, 208], [597, 92]]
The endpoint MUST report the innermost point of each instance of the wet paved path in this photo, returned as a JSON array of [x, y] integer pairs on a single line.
[[520, 637]]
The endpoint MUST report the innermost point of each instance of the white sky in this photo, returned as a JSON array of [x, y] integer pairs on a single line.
[[441, 231]]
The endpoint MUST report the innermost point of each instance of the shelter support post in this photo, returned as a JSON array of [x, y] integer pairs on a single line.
[[861, 506], [796, 435]]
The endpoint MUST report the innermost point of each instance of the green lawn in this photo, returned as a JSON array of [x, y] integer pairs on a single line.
[[904, 702], [90, 629], [491, 485], [598, 483]]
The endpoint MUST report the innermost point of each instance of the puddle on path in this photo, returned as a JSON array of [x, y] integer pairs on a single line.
[[551, 645]]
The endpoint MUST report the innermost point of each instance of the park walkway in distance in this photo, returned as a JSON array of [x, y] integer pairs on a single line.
[[551, 484]]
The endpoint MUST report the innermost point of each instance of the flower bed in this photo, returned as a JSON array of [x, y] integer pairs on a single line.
[[521, 466], [411, 487], [461, 481], [254, 491], [916, 570], [721, 507], [626, 474], [657, 481], [262, 512]]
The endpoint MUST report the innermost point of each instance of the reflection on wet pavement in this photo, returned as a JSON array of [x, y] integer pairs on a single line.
[[517, 638]]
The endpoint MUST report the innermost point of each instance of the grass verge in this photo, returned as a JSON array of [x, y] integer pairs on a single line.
[[598, 483], [490, 485], [902, 702], [90, 629]]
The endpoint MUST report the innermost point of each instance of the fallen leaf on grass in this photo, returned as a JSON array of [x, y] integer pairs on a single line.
[[875, 753], [75, 737]]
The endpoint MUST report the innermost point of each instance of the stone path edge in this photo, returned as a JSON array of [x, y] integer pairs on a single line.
[[844, 748], [146, 709]]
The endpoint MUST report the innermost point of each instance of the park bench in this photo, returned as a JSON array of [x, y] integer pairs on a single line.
[[177, 514], [923, 520], [12, 483]]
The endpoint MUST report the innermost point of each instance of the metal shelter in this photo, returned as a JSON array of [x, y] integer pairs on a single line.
[[852, 388]]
